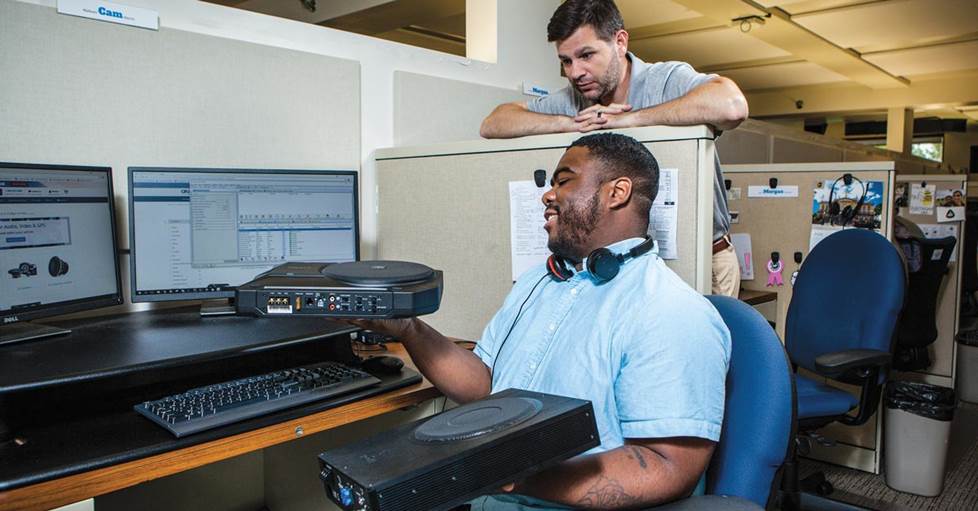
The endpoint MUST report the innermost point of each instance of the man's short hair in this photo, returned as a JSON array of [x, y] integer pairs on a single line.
[[623, 156], [602, 15]]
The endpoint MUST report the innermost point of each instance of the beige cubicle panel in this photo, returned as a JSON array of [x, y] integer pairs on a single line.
[[785, 225], [447, 206], [942, 351]]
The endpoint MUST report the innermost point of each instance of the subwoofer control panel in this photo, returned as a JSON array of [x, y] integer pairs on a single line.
[[327, 303]]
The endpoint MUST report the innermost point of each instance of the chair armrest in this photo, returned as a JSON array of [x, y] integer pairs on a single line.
[[851, 363], [857, 367]]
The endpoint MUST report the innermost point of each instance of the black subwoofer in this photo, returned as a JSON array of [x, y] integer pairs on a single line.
[[442, 461]]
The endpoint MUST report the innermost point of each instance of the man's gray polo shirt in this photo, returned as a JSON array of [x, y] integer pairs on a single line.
[[649, 85]]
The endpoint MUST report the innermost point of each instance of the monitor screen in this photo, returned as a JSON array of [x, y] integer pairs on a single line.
[[57, 241], [199, 233]]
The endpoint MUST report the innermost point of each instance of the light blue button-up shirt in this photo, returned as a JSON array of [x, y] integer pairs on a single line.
[[648, 351]]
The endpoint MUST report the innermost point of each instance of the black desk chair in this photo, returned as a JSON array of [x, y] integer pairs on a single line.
[[927, 262], [969, 261]]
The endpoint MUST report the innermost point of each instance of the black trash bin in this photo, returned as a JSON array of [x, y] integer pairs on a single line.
[[966, 366], [918, 425]]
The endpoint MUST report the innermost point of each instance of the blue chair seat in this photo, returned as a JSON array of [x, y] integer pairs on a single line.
[[816, 399]]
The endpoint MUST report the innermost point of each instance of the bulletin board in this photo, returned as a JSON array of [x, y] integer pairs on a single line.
[[784, 224]]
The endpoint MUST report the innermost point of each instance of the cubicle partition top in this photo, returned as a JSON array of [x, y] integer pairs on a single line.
[[448, 206]]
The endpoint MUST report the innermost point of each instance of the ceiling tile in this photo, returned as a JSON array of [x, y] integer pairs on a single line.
[[640, 13], [705, 48], [933, 59], [782, 75], [875, 24]]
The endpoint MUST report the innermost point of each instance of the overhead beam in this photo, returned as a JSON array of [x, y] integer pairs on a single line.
[[295, 10], [396, 14], [673, 28], [950, 89], [748, 64], [778, 30]]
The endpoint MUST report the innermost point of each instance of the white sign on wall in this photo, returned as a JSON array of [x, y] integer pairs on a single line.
[[781, 192], [113, 13]]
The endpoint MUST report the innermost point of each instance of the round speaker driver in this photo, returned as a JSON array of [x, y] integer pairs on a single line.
[[378, 273], [477, 419]]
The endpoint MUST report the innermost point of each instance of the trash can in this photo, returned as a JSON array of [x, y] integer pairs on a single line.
[[917, 428], [966, 366]]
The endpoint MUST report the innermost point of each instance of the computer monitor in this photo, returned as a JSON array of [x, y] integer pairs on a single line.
[[197, 233], [58, 251]]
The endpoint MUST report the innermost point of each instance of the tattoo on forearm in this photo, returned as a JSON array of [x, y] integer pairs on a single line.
[[638, 455], [606, 493]]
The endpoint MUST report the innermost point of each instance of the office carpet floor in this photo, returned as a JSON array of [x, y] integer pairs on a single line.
[[960, 482]]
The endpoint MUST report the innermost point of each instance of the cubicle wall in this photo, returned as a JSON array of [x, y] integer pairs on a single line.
[[784, 224], [447, 205], [942, 351], [429, 109], [85, 92]]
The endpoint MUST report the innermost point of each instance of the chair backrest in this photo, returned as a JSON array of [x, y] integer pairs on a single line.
[[848, 295], [918, 324], [969, 249], [927, 262], [759, 411]]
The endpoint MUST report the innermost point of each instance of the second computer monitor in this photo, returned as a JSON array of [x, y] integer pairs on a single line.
[[199, 233]]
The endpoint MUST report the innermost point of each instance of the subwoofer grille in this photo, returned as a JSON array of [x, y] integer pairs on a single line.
[[467, 475]]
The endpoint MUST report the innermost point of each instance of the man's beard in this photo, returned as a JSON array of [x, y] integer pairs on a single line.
[[607, 83], [574, 228]]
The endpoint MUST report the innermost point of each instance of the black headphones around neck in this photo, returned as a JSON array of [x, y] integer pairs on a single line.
[[848, 213], [602, 263]]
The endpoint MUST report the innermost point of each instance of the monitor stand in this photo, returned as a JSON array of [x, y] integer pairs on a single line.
[[25, 331], [219, 307]]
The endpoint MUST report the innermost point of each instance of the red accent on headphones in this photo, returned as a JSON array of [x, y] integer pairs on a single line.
[[558, 270], [601, 263]]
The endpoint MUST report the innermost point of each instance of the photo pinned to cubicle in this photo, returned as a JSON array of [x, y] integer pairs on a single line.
[[950, 205], [837, 206]]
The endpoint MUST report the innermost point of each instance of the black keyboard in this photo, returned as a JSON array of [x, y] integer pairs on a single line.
[[217, 405]]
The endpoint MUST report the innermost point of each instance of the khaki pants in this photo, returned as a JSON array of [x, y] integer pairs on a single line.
[[726, 273]]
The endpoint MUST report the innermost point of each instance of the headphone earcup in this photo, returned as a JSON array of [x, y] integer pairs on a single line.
[[603, 264], [558, 270], [834, 208]]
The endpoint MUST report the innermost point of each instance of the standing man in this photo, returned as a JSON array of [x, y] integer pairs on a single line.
[[612, 88]]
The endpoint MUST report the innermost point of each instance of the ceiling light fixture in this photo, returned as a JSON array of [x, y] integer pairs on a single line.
[[747, 22]]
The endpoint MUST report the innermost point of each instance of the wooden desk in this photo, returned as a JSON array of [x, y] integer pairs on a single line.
[[85, 485], [752, 297]]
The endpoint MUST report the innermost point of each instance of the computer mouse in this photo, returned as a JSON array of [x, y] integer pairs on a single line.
[[383, 364]]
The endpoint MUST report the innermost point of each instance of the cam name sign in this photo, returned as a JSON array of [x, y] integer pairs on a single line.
[[113, 13]]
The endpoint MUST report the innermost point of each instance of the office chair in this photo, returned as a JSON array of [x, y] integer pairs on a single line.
[[927, 264], [840, 325], [969, 261], [757, 421]]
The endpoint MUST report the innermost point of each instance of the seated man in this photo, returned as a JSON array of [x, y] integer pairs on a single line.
[[648, 351]]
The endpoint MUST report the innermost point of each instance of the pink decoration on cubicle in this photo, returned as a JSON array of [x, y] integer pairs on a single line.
[[774, 270]]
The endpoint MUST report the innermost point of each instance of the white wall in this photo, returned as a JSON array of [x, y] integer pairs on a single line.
[[523, 55]]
